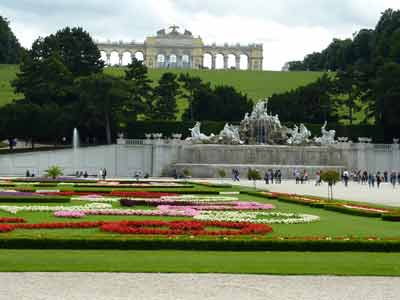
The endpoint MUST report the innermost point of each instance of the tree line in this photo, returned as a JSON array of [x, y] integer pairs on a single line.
[[64, 85], [366, 79]]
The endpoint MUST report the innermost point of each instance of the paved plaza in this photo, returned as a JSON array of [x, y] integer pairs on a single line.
[[116, 286], [385, 195]]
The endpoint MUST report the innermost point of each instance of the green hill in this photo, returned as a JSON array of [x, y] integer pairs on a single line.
[[7, 74], [257, 85]]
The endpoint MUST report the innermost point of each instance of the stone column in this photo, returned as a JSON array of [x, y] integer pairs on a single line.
[[225, 62], [120, 55], [213, 63], [237, 62]]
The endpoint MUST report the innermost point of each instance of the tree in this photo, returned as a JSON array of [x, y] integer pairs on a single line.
[[348, 92], [10, 49], [141, 91], [104, 97], [191, 84], [45, 81], [76, 49], [330, 177], [54, 172], [253, 174], [164, 106], [221, 173], [223, 103]]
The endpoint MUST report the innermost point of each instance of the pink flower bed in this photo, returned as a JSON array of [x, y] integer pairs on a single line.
[[69, 214], [236, 205]]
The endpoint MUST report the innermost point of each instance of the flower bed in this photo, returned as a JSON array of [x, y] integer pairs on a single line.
[[141, 194], [12, 220], [256, 217], [45, 208], [154, 227], [180, 200]]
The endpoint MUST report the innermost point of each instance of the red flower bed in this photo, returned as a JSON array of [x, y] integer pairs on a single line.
[[140, 194], [185, 227], [12, 220], [6, 227], [154, 227]]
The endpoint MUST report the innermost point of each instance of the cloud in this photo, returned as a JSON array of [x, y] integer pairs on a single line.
[[289, 29]]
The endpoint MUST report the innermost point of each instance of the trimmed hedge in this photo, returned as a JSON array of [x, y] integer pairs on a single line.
[[352, 211], [34, 199], [391, 217], [190, 244]]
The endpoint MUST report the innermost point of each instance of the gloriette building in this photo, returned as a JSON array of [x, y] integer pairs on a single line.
[[173, 49]]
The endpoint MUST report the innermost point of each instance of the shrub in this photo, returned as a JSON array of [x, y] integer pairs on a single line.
[[53, 172]]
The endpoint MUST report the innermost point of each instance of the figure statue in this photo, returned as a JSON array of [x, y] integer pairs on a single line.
[[328, 136], [187, 33], [197, 136], [299, 136], [230, 135], [161, 32]]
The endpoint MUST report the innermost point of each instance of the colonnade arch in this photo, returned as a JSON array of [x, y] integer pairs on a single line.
[[218, 60]]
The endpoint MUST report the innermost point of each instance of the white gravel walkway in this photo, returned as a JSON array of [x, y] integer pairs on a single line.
[[385, 195], [115, 286]]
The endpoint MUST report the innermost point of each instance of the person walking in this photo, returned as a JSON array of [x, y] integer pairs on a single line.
[[317, 178], [346, 178], [378, 179], [393, 179], [104, 173], [266, 177]]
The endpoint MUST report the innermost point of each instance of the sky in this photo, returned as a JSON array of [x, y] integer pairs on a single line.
[[288, 29]]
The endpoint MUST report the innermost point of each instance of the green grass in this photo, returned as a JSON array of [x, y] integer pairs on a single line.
[[7, 74], [257, 85], [307, 263]]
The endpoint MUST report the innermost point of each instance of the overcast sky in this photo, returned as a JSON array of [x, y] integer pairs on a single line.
[[289, 29]]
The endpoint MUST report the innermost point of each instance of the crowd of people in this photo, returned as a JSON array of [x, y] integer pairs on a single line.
[[371, 179]]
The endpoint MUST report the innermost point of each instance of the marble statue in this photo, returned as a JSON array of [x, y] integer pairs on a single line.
[[327, 138], [197, 136], [299, 135], [260, 127], [230, 135]]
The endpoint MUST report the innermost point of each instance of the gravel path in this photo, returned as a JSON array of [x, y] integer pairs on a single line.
[[386, 195], [115, 286]]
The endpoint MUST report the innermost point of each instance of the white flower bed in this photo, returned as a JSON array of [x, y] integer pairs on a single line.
[[45, 208], [199, 198], [97, 199], [254, 217]]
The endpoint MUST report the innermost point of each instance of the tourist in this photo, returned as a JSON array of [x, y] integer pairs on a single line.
[[85, 175], [385, 176], [378, 179], [346, 178], [266, 177], [317, 178], [278, 176], [393, 179], [137, 176], [100, 173], [305, 176], [398, 177], [237, 175], [297, 175], [27, 174], [271, 176], [104, 173]]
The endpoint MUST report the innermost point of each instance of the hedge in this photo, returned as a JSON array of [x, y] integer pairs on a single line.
[[190, 244], [34, 199], [391, 217]]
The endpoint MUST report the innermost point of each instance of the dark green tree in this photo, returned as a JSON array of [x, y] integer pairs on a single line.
[[75, 47], [141, 91], [45, 81], [190, 84], [165, 93], [10, 49], [104, 97]]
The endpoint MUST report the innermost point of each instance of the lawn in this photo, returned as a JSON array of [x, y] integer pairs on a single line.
[[332, 226], [282, 263]]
